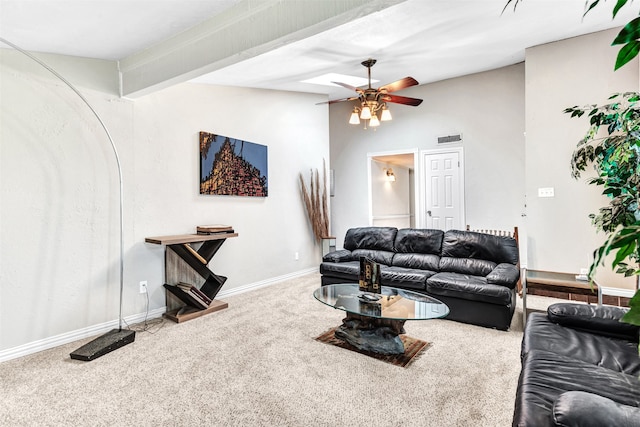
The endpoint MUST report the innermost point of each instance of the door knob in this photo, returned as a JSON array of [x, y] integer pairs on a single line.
[[429, 213]]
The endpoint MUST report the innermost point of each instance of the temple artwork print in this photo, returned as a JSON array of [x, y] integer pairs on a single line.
[[232, 167]]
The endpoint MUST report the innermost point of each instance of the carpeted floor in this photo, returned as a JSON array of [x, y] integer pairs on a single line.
[[257, 364]]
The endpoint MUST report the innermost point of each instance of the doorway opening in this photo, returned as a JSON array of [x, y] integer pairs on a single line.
[[393, 180]]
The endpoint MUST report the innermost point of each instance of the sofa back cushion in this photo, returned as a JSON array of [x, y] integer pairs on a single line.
[[417, 261], [374, 238], [468, 244], [420, 241]]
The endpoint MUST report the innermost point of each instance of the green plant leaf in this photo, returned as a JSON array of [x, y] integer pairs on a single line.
[[632, 316], [627, 53], [618, 6], [629, 33], [591, 6]]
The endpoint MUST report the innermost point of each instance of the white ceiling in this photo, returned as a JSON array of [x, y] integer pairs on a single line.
[[429, 40]]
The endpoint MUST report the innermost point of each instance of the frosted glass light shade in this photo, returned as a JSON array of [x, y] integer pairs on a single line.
[[385, 115], [354, 120], [373, 122], [365, 114]]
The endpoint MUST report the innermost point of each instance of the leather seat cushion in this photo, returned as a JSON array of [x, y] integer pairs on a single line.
[[405, 278], [615, 354], [545, 376], [381, 257], [349, 271], [475, 267], [468, 287], [419, 261]]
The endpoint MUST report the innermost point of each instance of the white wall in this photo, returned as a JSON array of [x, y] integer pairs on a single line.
[[59, 254], [487, 108], [577, 71], [390, 200]]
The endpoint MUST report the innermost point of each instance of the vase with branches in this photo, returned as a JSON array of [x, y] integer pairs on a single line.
[[314, 197]]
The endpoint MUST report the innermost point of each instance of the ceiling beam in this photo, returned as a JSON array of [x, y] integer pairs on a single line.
[[248, 29]]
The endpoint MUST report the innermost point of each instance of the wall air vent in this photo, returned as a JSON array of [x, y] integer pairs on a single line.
[[450, 138]]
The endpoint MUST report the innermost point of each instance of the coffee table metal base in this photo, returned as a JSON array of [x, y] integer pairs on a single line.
[[372, 334]]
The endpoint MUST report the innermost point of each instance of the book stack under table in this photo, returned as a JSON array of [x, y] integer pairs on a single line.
[[191, 286]]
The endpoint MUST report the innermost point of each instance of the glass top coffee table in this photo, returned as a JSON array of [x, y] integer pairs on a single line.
[[374, 321]]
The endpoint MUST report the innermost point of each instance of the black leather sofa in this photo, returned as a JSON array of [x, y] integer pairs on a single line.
[[580, 367], [475, 274]]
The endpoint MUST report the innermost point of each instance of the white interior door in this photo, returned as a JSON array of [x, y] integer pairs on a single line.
[[444, 198]]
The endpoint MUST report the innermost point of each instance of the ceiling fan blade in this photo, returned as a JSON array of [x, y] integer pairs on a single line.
[[348, 86], [338, 100], [405, 100], [400, 84]]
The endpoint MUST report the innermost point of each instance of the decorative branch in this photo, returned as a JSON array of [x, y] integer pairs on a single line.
[[315, 201]]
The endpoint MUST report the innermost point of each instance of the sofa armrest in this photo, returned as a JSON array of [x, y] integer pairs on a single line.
[[504, 274], [603, 320], [579, 408], [343, 255]]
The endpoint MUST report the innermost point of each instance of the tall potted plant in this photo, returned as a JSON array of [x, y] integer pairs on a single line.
[[615, 158], [612, 146]]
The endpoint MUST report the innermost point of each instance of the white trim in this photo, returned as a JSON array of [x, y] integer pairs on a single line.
[[421, 190], [264, 283], [79, 334], [392, 216], [57, 340]]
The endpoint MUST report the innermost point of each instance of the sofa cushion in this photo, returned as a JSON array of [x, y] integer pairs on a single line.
[[545, 376], [475, 267], [581, 409], [406, 278], [611, 353], [376, 238], [467, 244], [420, 241], [468, 287], [342, 255], [603, 320], [381, 257], [419, 261], [504, 274], [350, 271]]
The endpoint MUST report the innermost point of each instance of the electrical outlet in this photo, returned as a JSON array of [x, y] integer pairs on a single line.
[[143, 287], [296, 256]]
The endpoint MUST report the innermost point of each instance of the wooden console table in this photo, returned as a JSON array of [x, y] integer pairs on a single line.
[[185, 264], [552, 281]]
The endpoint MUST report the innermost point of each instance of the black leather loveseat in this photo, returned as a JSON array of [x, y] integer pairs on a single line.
[[580, 367], [475, 274]]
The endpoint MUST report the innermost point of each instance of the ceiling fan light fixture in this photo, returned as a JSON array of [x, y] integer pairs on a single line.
[[373, 122], [365, 114], [385, 116], [354, 120]]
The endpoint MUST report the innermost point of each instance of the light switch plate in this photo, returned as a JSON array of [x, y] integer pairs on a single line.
[[545, 192]]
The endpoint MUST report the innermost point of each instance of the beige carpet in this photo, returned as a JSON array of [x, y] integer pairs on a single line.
[[257, 364]]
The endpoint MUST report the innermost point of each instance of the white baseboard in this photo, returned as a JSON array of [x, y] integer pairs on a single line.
[[57, 340]]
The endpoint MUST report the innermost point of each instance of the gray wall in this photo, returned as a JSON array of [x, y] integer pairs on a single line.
[[487, 108], [59, 253], [577, 71]]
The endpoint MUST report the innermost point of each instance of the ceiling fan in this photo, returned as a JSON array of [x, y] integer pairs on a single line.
[[373, 100]]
